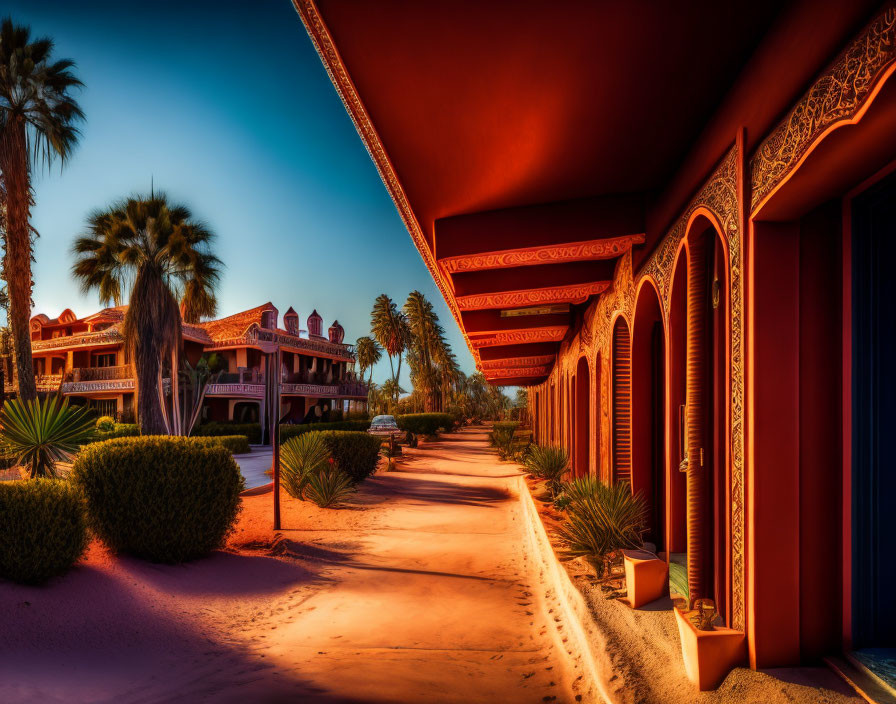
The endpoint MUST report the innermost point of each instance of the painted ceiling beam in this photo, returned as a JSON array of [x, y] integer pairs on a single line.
[[490, 366], [528, 381], [512, 352], [515, 337], [540, 232], [491, 321]]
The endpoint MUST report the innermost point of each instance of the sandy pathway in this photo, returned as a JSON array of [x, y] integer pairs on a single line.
[[420, 590]]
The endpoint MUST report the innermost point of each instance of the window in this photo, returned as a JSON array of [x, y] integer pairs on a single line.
[[104, 360], [104, 406]]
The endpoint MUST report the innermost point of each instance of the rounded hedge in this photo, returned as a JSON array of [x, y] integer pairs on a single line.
[[166, 499], [252, 431], [355, 453], [43, 529], [290, 431], [105, 423], [425, 423], [236, 444]]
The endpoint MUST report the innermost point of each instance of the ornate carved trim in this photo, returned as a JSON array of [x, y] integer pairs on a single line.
[[837, 97], [106, 337], [516, 337], [607, 248], [323, 43], [309, 390], [253, 390], [516, 372], [511, 362], [575, 293], [82, 387]]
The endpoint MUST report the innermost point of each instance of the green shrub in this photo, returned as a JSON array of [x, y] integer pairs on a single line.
[[118, 430], [598, 526], [506, 424], [235, 444], [167, 499], [43, 527], [357, 415], [292, 431], [252, 431], [356, 454], [300, 458], [549, 463], [105, 423], [329, 486], [425, 423]]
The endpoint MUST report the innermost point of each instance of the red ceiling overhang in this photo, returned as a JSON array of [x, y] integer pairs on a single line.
[[527, 150]]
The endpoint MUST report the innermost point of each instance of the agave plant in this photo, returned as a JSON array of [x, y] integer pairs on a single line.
[[549, 463], [42, 432], [328, 486], [302, 457], [600, 525], [502, 438], [575, 491]]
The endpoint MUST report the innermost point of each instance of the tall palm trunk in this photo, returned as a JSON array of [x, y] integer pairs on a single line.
[[151, 327], [17, 265]]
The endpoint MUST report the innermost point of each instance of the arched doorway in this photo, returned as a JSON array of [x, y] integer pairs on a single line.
[[622, 402], [648, 410], [582, 465], [706, 397]]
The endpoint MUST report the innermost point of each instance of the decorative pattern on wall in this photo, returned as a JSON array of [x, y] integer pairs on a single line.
[[837, 97]]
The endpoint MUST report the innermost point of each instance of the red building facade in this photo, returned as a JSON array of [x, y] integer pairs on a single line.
[[673, 225]]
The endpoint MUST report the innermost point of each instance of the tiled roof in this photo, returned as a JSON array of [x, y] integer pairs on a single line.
[[228, 328], [235, 325]]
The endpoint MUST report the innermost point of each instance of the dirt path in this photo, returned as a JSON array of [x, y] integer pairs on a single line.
[[420, 590]]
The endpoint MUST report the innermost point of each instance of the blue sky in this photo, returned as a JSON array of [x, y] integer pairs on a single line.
[[226, 106]]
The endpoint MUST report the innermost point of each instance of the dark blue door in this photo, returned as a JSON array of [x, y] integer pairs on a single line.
[[874, 417]]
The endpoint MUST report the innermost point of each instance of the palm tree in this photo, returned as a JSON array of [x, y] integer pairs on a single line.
[[390, 328], [159, 251], [427, 335], [38, 118], [391, 389], [369, 353], [449, 372]]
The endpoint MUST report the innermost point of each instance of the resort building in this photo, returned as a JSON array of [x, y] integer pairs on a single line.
[[671, 222], [86, 359]]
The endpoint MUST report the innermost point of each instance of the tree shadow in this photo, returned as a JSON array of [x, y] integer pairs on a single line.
[[220, 574], [405, 487], [111, 640]]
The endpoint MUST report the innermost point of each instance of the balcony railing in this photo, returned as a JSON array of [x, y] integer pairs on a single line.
[[44, 382], [125, 371]]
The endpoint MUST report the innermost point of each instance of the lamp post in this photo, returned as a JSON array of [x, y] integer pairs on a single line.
[[271, 350]]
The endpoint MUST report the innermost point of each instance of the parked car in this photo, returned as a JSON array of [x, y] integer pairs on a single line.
[[384, 426]]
